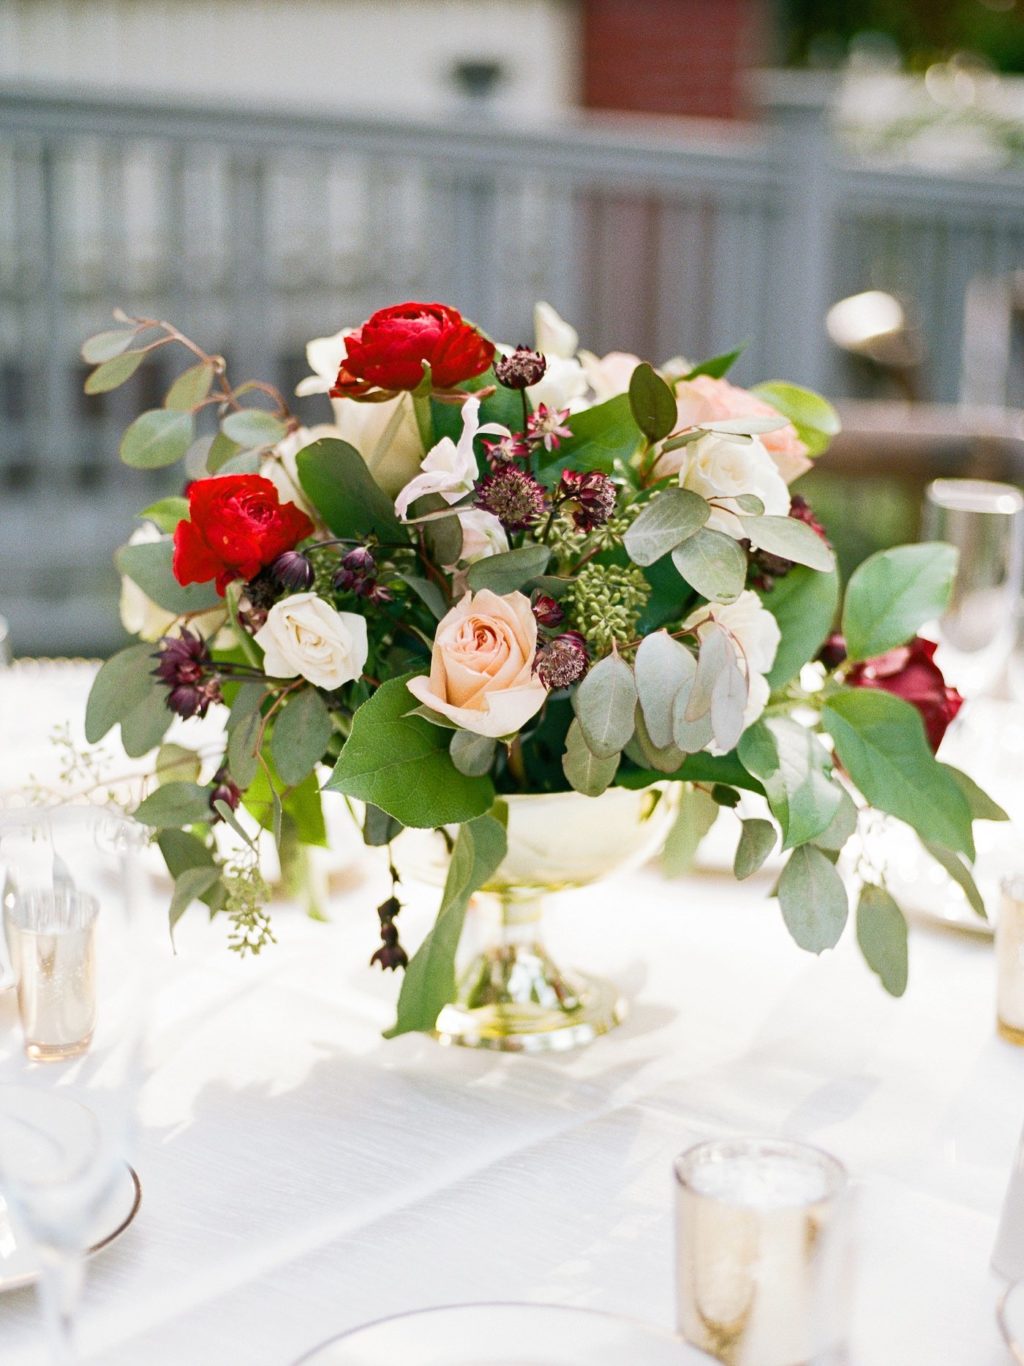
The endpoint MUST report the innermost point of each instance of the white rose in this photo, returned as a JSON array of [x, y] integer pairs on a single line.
[[385, 434], [721, 466], [482, 535], [304, 635], [142, 617], [755, 637]]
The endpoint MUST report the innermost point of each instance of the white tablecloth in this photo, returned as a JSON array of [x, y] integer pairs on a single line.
[[301, 1175]]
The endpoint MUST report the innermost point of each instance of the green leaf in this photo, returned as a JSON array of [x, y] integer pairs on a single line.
[[429, 982], [696, 768], [443, 538], [791, 540], [150, 566], [814, 418], [191, 885], [651, 402], [175, 804], [881, 742], [750, 504], [665, 522], [508, 571], [717, 366], [428, 592], [602, 438], [795, 768], [378, 827], [113, 373], [662, 667], [301, 731], [253, 427], [243, 727], [176, 764], [757, 840], [713, 565], [696, 815], [804, 604], [472, 754], [960, 874], [646, 754], [146, 724], [882, 936], [181, 850], [401, 764], [893, 593], [982, 807], [106, 345], [813, 899], [157, 438], [122, 683], [841, 827], [604, 704], [335, 478], [728, 705], [585, 771], [190, 388], [166, 513], [222, 449]]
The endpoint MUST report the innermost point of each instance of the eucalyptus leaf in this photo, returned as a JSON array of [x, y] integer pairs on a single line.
[[253, 427], [585, 771], [106, 345], [713, 564], [175, 804], [842, 826], [166, 513], [507, 572], [981, 805], [664, 523], [429, 982], [750, 504], [961, 875], [113, 373], [122, 683], [813, 899], [301, 731], [604, 704], [191, 387], [743, 426], [428, 592], [242, 462], [472, 754], [444, 540], [150, 566], [795, 769], [893, 593], [716, 653], [882, 936], [790, 539], [191, 885], [757, 840], [222, 449], [176, 764], [652, 403], [646, 754], [728, 704], [696, 815], [662, 666], [689, 736], [156, 438], [146, 724]]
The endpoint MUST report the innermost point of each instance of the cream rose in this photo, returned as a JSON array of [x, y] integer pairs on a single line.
[[755, 636], [705, 399], [481, 670], [303, 635], [723, 466]]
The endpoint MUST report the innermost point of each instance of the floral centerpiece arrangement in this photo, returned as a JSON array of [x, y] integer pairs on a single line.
[[507, 571]]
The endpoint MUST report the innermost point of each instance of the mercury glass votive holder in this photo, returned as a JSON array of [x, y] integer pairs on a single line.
[[52, 940], [1010, 961], [763, 1252]]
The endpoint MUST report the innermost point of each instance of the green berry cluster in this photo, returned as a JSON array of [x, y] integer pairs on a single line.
[[605, 603]]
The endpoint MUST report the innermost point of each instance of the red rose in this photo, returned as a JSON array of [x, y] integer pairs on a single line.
[[911, 673], [389, 350], [237, 525]]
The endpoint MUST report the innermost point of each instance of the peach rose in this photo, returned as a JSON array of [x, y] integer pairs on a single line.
[[481, 670], [710, 400]]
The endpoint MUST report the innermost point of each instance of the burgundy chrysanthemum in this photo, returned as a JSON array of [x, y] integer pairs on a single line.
[[588, 497], [185, 667], [562, 661], [516, 498], [520, 369]]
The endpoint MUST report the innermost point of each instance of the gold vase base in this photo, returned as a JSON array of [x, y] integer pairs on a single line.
[[1009, 1032], [515, 1000]]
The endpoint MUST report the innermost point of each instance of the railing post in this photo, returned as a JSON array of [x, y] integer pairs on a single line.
[[797, 106]]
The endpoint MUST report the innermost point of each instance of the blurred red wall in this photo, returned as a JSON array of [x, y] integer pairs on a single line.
[[672, 56]]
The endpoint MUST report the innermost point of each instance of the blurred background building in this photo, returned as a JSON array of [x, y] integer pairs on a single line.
[[675, 176]]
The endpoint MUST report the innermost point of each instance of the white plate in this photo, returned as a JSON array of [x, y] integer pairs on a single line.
[[1011, 1319], [504, 1335], [19, 1265]]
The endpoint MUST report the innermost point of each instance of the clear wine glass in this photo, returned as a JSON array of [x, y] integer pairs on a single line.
[[985, 521], [82, 946]]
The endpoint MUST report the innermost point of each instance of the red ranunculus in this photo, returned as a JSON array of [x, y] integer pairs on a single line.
[[910, 672], [389, 350], [237, 525]]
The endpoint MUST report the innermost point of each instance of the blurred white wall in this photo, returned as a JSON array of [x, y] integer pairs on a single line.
[[390, 56]]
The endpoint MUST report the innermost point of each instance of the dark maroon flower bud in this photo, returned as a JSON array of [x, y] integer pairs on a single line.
[[292, 569], [390, 955], [225, 790], [507, 449], [521, 369], [910, 672], [833, 652], [547, 610], [379, 594], [516, 498], [588, 496], [562, 661], [360, 560], [800, 508], [184, 665]]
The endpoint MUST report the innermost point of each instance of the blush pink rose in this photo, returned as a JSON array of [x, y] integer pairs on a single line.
[[705, 399], [481, 669]]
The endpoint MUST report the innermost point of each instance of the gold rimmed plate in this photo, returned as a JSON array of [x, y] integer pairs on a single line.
[[19, 1264]]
